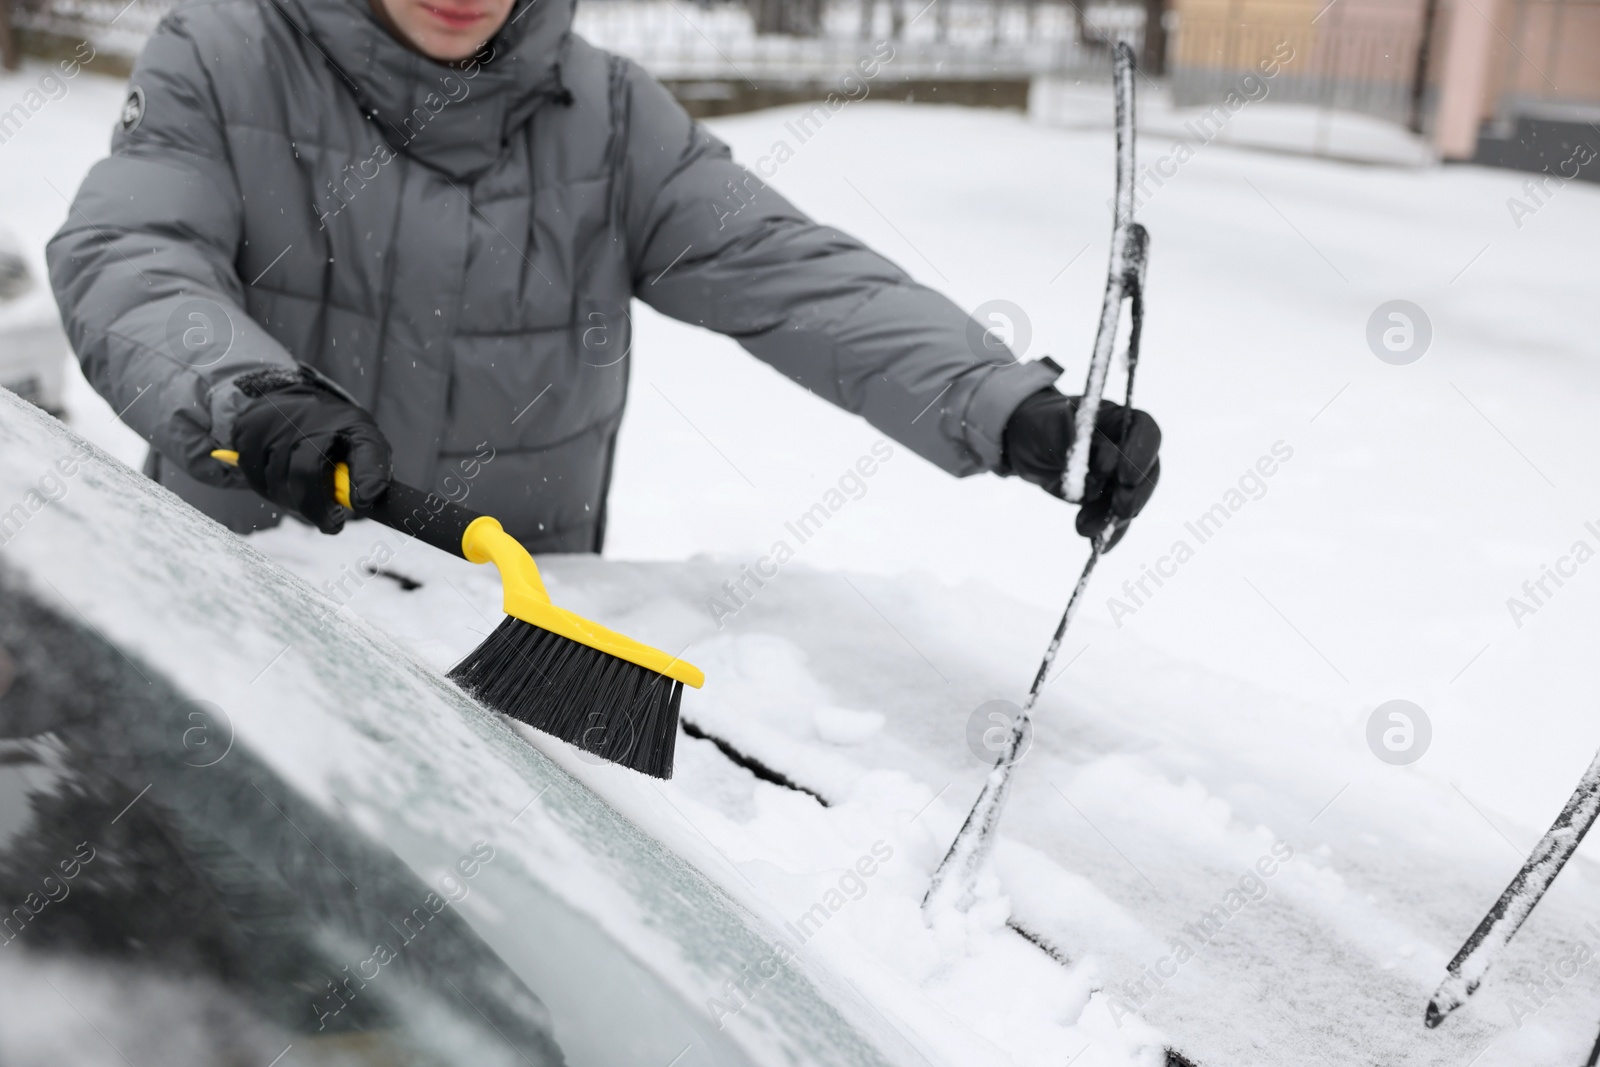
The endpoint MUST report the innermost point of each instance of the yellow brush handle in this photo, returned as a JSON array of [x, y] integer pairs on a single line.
[[484, 541], [341, 473]]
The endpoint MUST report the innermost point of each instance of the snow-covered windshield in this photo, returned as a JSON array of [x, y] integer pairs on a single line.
[[259, 831], [145, 850]]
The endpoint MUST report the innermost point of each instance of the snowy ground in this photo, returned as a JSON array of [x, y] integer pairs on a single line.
[[1228, 710]]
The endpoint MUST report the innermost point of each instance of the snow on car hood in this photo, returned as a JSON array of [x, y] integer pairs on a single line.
[[1152, 790]]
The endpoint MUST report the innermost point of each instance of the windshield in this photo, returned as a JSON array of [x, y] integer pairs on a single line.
[[264, 835]]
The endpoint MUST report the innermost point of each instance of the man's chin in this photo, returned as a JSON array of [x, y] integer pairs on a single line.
[[448, 48]]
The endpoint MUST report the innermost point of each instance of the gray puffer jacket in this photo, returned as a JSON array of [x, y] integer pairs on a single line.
[[457, 247]]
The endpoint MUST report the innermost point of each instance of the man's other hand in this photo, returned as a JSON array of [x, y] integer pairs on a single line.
[[1124, 463]]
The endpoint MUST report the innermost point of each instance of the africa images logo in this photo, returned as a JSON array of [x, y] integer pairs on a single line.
[[133, 110]]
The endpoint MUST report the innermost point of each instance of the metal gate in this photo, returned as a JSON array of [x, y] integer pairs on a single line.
[[1351, 59]]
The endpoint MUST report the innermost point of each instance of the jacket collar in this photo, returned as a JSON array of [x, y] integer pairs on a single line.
[[456, 119]]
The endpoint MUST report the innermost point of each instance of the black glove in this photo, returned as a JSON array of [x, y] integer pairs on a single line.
[[1123, 463], [290, 435]]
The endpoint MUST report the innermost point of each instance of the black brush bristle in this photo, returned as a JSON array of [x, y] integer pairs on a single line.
[[619, 711]]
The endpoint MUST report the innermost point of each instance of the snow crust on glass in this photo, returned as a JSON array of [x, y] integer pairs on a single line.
[[373, 736]]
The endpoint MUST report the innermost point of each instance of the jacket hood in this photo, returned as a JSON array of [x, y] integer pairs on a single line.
[[456, 119]]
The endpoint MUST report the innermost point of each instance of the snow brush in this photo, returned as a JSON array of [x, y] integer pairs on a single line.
[[1466, 971], [556, 671], [952, 884]]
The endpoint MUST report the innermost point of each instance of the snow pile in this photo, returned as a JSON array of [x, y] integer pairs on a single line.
[[976, 992]]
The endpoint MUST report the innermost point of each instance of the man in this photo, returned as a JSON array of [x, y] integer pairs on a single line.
[[402, 235]]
